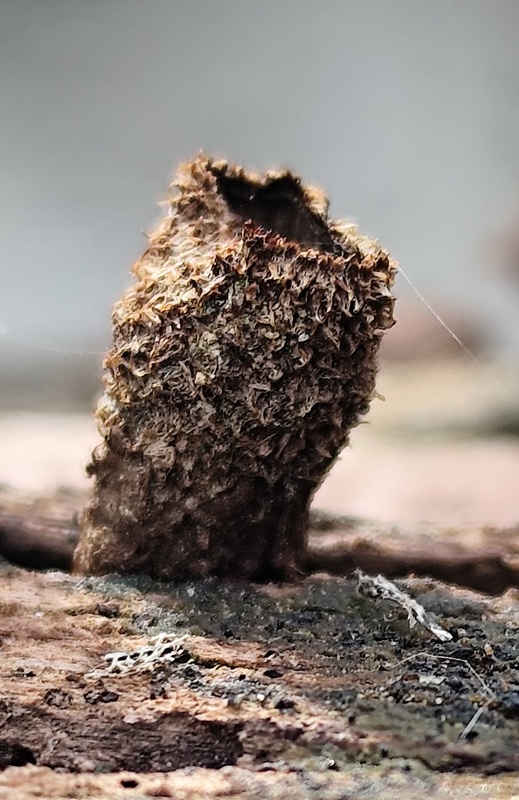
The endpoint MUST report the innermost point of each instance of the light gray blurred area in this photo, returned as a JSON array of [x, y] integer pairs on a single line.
[[406, 112]]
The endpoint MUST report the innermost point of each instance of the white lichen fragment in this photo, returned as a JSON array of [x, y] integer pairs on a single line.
[[381, 588], [165, 648]]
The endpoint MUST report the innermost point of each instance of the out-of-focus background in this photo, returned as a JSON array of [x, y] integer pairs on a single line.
[[406, 113]]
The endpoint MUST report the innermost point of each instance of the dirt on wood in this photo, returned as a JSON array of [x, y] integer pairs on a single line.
[[297, 691]]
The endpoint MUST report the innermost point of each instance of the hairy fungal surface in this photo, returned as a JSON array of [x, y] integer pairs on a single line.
[[242, 356]]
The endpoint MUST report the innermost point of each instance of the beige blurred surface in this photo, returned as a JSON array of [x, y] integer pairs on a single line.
[[442, 447], [40, 452], [471, 482]]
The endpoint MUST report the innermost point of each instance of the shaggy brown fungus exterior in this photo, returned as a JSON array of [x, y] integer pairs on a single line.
[[241, 359]]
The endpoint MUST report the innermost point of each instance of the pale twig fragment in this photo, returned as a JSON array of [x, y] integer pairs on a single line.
[[474, 720], [379, 587]]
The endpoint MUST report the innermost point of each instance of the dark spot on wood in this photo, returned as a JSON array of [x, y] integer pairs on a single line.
[[129, 783], [109, 744], [13, 754]]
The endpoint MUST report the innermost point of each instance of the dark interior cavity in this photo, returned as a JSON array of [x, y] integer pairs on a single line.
[[277, 206]]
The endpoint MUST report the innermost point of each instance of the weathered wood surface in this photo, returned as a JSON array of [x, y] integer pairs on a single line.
[[482, 558], [304, 691]]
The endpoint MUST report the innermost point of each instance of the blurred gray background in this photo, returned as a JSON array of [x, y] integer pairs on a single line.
[[406, 112]]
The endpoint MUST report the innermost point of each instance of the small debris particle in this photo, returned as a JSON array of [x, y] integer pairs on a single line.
[[92, 697], [273, 673], [379, 587], [57, 698], [107, 610]]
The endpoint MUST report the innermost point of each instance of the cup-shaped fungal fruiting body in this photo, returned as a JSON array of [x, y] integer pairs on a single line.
[[242, 357]]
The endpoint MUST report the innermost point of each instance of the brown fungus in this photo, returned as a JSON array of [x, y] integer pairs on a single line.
[[242, 357]]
